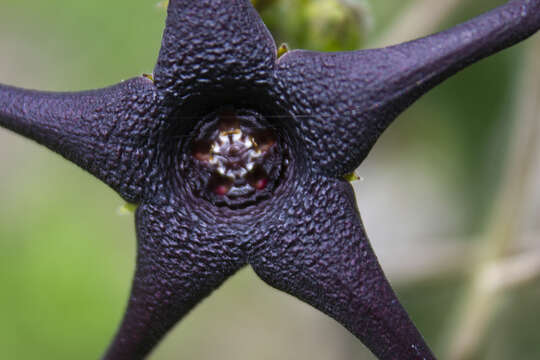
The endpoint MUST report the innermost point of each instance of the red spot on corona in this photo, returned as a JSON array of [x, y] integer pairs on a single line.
[[228, 121], [222, 189], [220, 185], [265, 140], [261, 183], [258, 179], [201, 150]]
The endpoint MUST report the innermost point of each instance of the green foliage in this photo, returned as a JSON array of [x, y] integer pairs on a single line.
[[325, 25]]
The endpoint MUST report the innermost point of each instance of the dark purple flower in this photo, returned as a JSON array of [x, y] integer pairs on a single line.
[[235, 157]]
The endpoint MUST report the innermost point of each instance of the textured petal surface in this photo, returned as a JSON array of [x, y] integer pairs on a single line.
[[319, 252], [344, 101], [213, 43], [103, 131], [177, 266]]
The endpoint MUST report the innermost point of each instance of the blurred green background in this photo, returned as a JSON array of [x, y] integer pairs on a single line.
[[437, 187]]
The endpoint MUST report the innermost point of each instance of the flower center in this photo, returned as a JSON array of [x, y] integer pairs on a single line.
[[241, 155]]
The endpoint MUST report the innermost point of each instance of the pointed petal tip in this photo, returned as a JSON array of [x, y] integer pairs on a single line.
[[213, 42], [356, 95]]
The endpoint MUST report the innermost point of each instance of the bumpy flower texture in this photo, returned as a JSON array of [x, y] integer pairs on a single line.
[[237, 157]]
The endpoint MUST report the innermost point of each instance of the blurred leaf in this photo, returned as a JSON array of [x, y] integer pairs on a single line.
[[324, 25]]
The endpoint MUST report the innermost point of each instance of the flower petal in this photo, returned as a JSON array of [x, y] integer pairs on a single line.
[[320, 254], [175, 270], [213, 43], [103, 131], [344, 101]]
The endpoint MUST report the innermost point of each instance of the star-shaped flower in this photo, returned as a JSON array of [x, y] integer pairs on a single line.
[[236, 157]]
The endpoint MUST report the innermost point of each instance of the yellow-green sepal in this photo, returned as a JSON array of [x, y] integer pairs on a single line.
[[127, 209], [351, 177], [282, 50]]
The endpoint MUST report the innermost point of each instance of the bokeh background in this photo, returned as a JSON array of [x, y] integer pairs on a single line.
[[450, 195]]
